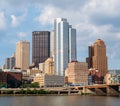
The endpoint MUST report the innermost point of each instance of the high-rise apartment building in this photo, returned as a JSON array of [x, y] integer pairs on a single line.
[[97, 57], [64, 44], [40, 46], [22, 55]]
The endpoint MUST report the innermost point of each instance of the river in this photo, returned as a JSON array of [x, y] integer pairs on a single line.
[[59, 101]]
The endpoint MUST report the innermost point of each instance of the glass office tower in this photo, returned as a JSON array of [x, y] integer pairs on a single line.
[[40, 46], [64, 44]]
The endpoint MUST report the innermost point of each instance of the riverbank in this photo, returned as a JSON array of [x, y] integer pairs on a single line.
[[2, 95], [34, 92], [39, 95], [47, 92]]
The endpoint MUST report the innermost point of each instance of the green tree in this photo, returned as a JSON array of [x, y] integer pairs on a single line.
[[3, 84]]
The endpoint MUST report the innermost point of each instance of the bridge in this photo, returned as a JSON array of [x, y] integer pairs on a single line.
[[97, 89], [100, 89]]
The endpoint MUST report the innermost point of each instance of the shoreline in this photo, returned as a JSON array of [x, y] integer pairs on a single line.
[[56, 95]]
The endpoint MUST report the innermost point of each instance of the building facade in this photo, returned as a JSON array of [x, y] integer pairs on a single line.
[[45, 80], [22, 55], [47, 67], [11, 79], [89, 59], [95, 77], [97, 57], [10, 63], [112, 78], [77, 73], [64, 44], [52, 43], [40, 46]]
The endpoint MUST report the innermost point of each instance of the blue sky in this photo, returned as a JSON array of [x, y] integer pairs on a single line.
[[93, 19]]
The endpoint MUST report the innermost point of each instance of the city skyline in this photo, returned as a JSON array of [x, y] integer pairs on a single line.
[[92, 19]]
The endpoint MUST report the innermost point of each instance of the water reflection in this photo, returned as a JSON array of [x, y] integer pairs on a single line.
[[59, 101]]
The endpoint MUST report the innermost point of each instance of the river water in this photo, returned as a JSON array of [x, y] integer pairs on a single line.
[[59, 101]]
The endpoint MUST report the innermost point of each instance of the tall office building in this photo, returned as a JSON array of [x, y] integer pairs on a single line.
[[10, 63], [97, 57], [40, 46], [65, 45], [7, 63], [52, 44], [22, 55], [90, 54]]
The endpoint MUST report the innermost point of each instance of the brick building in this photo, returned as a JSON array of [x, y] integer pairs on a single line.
[[11, 79], [97, 57], [77, 73]]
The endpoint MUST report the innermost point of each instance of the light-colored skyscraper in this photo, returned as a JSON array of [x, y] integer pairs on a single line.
[[65, 45], [52, 44], [22, 55], [97, 57]]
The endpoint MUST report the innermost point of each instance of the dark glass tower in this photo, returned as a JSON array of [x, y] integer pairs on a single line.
[[89, 59], [40, 46]]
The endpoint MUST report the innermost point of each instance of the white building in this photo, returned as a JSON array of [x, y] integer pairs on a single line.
[[65, 45]]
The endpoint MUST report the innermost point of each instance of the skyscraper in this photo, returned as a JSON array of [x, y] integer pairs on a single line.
[[40, 46], [64, 44], [90, 54], [97, 57], [10, 62], [7, 63], [52, 44], [22, 55]]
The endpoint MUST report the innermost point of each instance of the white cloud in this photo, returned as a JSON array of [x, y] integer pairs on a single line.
[[107, 7], [49, 13], [95, 19], [2, 21], [118, 35], [22, 34], [16, 20]]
